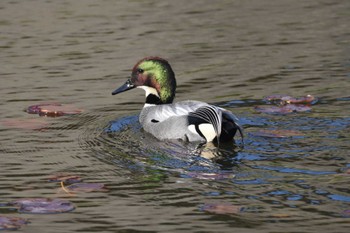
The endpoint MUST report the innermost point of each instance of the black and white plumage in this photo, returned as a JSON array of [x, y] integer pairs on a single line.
[[189, 121]]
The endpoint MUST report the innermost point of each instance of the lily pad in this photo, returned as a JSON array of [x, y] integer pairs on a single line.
[[11, 223], [86, 187], [274, 97], [36, 109], [221, 208], [32, 124], [277, 133], [66, 178], [53, 109], [43, 206], [286, 99]]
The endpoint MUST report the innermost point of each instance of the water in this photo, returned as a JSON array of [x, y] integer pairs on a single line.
[[231, 53]]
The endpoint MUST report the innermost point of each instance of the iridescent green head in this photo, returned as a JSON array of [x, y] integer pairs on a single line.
[[156, 77]]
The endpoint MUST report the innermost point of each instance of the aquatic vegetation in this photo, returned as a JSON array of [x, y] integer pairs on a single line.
[[42, 206], [286, 99], [12, 223], [53, 109], [221, 208], [277, 133], [284, 104], [29, 124], [85, 187], [75, 184], [290, 108], [210, 176]]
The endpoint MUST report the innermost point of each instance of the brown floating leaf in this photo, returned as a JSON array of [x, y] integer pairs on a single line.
[[11, 223], [277, 133], [221, 208], [309, 99], [35, 109], [25, 123], [53, 109]]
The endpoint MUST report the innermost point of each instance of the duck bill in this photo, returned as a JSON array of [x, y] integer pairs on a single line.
[[125, 87]]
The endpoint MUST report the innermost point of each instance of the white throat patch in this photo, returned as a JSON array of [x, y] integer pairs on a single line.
[[149, 90]]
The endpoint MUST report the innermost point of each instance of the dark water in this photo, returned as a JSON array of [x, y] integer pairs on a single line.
[[231, 53]]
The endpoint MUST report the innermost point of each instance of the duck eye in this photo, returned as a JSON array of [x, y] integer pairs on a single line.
[[139, 70]]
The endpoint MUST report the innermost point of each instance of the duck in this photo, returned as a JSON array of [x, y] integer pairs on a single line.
[[189, 120]]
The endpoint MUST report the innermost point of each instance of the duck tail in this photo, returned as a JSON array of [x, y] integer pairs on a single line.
[[230, 121]]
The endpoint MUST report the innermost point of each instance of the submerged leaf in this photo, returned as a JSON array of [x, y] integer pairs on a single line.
[[221, 208], [346, 213], [277, 133], [281, 215], [86, 187], [286, 109], [11, 223], [31, 124], [53, 109], [210, 176], [43, 206]]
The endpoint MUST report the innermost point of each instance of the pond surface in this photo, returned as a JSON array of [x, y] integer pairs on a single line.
[[291, 175]]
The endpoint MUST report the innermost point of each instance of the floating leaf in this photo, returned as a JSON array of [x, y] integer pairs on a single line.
[[53, 109], [221, 208], [277, 133], [286, 109], [43, 206], [86, 187], [36, 109], [286, 99], [276, 99], [11, 223], [32, 124], [66, 178]]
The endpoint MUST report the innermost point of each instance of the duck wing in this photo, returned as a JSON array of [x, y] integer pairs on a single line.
[[207, 114], [214, 122]]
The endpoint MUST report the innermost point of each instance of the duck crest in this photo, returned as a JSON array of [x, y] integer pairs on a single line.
[[157, 74]]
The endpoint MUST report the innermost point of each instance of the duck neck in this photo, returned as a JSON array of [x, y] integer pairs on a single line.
[[152, 97]]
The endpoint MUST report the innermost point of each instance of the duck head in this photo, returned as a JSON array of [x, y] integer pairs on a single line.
[[156, 77]]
